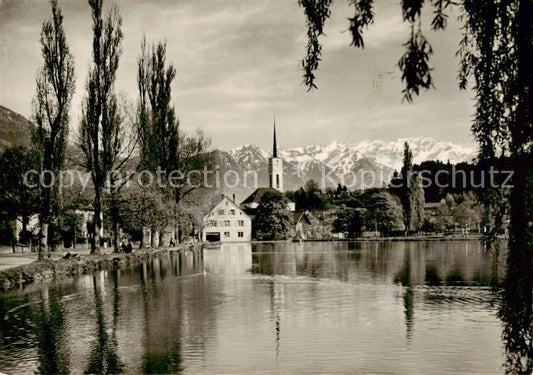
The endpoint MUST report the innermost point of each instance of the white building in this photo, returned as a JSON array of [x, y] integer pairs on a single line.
[[226, 222]]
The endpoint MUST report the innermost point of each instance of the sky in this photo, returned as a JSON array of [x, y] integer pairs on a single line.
[[239, 63]]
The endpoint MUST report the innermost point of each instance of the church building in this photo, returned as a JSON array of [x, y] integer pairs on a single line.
[[275, 171]]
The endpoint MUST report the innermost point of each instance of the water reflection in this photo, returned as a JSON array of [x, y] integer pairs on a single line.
[[103, 358], [49, 326], [404, 278], [423, 307]]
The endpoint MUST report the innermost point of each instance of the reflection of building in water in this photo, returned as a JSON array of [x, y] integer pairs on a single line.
[[229, 259], [226, 222]]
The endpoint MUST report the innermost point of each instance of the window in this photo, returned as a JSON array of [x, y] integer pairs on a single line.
[[232, 212], [212, 223], [277, 181], [241, 234], [226, 234], [221, 212], [227, 223], [240, 223]]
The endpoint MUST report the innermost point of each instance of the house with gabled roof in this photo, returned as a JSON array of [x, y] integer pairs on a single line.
[[227, 222]]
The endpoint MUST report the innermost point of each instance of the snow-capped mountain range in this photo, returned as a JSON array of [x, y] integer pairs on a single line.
[[342, 157], [341, 161]]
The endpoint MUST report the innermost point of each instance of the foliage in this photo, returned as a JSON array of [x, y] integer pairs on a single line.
[[193, 209], [18, 198], [348, 220], [162, 144], [496, 52], [414, 64], [156, 118], [408, 186], [316, 12], [363, 17], [460, 210], [100, 124], [272, 219], [145, 206], [384, 213], [308, 198]]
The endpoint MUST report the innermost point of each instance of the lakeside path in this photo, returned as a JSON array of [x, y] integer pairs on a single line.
[[22, 269], [12, 260]]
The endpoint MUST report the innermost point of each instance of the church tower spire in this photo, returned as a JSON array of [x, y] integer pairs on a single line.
[[274, 146], [275, 165]]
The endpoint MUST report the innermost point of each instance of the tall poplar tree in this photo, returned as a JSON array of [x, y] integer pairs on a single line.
[[100, 115], [55, 87], [163, 146], [411, 194]]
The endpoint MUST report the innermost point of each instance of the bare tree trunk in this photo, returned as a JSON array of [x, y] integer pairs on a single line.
[[43, 240], [141, 243], [95, 245], [114, 211], [115, 236]]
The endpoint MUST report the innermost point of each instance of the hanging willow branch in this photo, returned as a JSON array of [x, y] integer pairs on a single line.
[[363, 17], [414, 64], [316, 12]]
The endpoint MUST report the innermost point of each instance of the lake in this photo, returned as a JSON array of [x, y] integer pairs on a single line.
[[346, 307]]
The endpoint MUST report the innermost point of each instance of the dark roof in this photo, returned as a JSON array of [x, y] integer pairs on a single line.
[[306, 215], [256, 196], [297, 216]]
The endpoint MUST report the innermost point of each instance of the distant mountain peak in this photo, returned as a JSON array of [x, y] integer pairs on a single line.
[[15, 129]]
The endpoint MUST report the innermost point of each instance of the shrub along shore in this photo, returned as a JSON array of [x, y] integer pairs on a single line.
[[48, 270]]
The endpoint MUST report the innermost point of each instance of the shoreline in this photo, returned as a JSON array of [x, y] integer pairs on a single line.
[[402, 238], [22, 276]]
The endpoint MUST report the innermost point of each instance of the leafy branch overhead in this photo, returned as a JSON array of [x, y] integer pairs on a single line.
[[414, 63], [316, 12]]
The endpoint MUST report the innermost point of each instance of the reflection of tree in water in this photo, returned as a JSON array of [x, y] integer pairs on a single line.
[[516, 315], [103, 358], [432, 275], [163, 362], [455, 277], [49, 327], [404, 278], [177, 314], [275, 299]]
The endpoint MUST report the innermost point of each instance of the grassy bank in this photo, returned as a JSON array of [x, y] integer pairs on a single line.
[[21, 276]]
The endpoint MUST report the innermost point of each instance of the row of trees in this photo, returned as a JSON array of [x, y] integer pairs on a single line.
[[112, 136]]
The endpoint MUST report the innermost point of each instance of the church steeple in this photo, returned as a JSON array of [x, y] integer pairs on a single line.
[[274, 146], [275, 165]]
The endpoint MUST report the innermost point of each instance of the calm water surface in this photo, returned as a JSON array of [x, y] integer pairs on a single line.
[[371, 307]]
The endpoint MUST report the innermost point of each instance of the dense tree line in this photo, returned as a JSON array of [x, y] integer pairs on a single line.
[[111, 135]]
